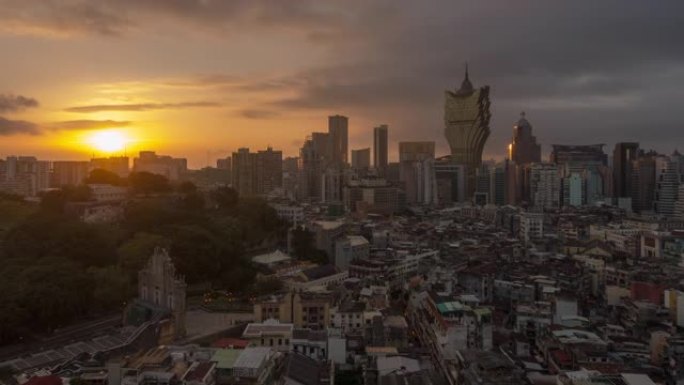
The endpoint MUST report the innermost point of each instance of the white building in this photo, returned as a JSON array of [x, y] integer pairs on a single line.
[[291, 213], [270, 333], [256, 363], [348, 248], [544, 186], [531, 226], [108, 192]]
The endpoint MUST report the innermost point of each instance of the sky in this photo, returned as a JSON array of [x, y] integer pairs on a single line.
[[200, 78]]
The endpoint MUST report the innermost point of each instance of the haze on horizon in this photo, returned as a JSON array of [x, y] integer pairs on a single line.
[[200, 78]]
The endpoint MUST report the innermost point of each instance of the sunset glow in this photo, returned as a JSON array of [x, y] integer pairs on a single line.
[[108, 141]]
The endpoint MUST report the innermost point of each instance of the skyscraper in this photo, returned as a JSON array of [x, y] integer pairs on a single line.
[[623, 156], [360, 159], [466, 119], [69, 172], [257, 173], [666, 186], [269, 170], [244, 174], [590, 164], [578, 154], [417, 171], [380, 146], [314, 156], [643, 182], [524, 148], [338, 129]]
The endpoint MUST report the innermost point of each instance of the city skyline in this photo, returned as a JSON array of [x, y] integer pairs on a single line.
[[146, 71]]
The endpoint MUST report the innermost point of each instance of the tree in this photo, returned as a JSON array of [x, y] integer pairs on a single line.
[[303, 246], [52, 235], [136, 251], [55, 200], [225, 197], [192, 201], [267, 286], [112, 287], [147, 183], [101, 176], [186, 187], [195, 252]]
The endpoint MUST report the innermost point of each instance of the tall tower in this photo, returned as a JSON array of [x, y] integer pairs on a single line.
[[623, 155], [338, 129], [466, 120], [524, 149], [380, 147]]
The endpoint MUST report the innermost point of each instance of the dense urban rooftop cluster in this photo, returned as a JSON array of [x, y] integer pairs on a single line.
[[430, 270]]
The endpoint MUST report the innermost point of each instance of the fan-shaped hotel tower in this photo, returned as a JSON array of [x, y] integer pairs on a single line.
[[466, 120]]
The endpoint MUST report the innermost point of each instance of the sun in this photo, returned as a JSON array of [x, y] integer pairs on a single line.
[[108, 141]]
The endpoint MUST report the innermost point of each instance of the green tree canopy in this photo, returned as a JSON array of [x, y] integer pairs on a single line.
[[101, 176], [147, 183]]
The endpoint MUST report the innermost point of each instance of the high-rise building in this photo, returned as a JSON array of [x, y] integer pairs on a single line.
[[679, 206], [623, 156], [117, 164], [171, 168], [257, 173], [314, 157], [482, 184], [332, 181], [224, 164], [578, 154], [338, 129], [269, 170], [573, 190], [380, 148], [590, 163], [498, 181], [524, 149], [291, 176], [373, 195], [360, 159], [667, 185], [466, 120], [450, 180], [413, 151], [643, 182], [417, 172], [69, 173], [244, 173], [24, 175], [544, 182]]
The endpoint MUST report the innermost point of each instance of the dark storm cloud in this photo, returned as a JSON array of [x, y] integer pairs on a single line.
[[259, 114], [87, 124], [616, 62], [122, 17], [17, 127], [14, 103], [584, 70], [62, 18], [139, 107]]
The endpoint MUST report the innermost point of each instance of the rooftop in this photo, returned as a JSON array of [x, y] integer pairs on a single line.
[[252, 357]]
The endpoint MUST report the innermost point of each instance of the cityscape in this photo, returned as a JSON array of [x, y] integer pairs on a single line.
[[531, 243]]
